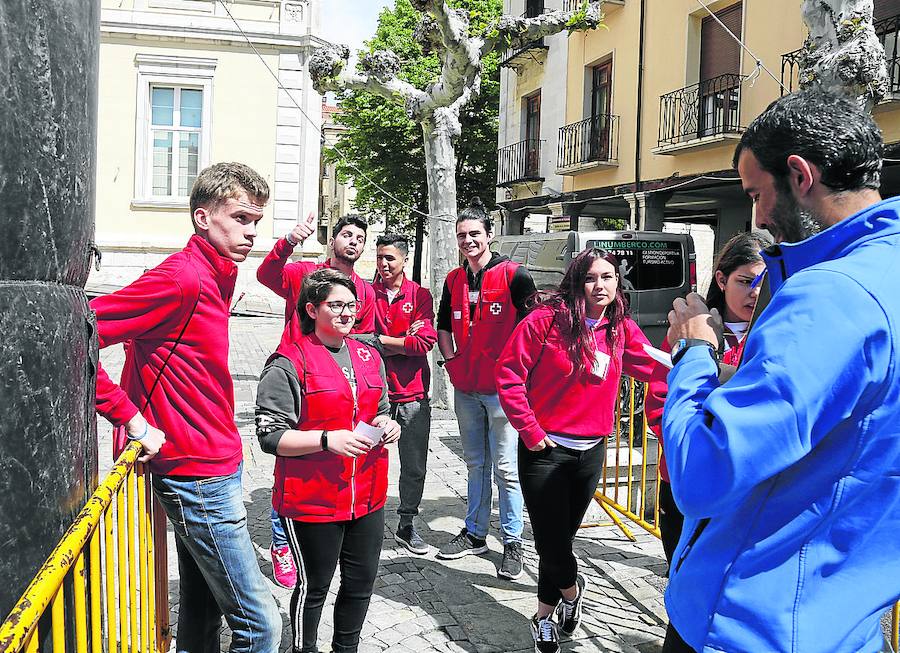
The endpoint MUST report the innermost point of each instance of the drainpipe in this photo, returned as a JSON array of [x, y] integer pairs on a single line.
[[640, 106]]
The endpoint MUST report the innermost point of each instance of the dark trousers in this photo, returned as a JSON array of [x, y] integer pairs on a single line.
[[414, 418], [558, 484], [671, 521], [674, 643], [317, 550]]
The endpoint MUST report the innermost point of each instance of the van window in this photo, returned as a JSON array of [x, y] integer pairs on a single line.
[[646, 264]]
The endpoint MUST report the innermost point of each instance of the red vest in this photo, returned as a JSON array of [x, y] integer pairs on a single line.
[[323, 486], [480, 340]]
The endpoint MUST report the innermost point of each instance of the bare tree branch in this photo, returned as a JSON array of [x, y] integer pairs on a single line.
[[329, 71], [518, 31]]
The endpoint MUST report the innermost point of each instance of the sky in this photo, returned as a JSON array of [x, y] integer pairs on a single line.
[[350, 21]]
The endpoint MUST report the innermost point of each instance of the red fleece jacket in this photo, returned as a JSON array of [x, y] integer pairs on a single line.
[[285, 280], [408, 376], [540, 390], [193, 403]]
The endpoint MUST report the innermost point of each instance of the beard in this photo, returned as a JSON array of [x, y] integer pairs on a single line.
[[347, 260], [793, 223]]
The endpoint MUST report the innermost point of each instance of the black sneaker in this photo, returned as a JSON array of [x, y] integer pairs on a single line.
[[462, 545], [546, 639], [569, 614], [409, 538], [511, 565]]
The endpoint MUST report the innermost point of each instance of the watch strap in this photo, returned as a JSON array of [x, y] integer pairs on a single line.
[[324, 440], [682, 345]]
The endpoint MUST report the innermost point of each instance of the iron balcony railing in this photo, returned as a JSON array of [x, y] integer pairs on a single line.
[[519, 163], [710, 108], [592, 140], [572, 5], [888, 31], [790, 71], [524, 49]]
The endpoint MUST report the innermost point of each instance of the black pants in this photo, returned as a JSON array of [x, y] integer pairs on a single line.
[[558, 484], [671, 521], [317, 550], [674, 643], [414, 418]]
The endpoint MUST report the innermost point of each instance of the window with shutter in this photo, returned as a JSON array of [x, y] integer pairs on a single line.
[[886, 9], [720, 57]]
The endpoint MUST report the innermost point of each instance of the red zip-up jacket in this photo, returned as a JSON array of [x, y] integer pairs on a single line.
[[324, 486], [658, 389], [541, 391], [193, 404], [285, 280], [408, 376]]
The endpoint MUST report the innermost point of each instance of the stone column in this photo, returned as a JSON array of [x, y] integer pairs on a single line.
[[48, 352], [647, 210], [573, 213]]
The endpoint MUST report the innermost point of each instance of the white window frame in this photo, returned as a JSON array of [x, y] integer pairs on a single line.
[[163, 70]]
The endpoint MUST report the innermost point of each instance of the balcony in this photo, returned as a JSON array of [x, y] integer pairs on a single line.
[[701, 115], [519, 163], [588, 144], [608, 5], [790, 71], [521, 52]]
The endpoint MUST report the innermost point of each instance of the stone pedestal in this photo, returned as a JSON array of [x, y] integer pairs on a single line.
[[48, 117]]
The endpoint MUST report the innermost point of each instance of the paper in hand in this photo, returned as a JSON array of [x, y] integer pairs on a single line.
[[373, 433], [659, 356]]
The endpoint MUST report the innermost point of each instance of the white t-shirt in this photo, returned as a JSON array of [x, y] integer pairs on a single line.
[[391, 294], [739, 329]]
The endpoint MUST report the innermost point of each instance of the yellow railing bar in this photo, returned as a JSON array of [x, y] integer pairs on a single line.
[[79, 591], [58, 620], [95, 573], [132, 564], [143, 561], [43, 588], [109, 564]]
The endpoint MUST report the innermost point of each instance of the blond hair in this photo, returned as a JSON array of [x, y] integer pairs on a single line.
[[222, 181]]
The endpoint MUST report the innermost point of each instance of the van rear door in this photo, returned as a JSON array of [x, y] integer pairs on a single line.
[[654, 269]]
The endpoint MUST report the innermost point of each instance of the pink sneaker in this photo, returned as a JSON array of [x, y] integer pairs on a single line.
[[283, 566]]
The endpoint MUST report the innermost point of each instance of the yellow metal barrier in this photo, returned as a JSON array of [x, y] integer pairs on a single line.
[[637, 485], [117, 550]]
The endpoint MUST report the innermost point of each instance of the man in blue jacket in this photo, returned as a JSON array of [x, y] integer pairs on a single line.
[[789, 474]]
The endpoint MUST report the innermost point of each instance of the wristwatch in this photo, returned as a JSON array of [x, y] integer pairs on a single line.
[[324, 440], [683, 344]]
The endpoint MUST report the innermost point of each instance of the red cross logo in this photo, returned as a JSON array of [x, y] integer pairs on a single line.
[[407, 307], [496, 308], [364, 354]]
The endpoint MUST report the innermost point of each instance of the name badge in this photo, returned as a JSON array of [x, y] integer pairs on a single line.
[[457, 315], [473, 296], [601, 364]]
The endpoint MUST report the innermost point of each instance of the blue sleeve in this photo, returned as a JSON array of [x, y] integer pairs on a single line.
[[816, 357]]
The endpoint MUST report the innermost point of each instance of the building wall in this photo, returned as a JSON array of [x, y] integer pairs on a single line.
[[247, 116]]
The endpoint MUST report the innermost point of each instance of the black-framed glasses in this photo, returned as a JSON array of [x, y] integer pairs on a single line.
[[338, 308]]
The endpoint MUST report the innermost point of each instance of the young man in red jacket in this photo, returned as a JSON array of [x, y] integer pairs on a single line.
[[284, 279], [404, 322], [177, 399]]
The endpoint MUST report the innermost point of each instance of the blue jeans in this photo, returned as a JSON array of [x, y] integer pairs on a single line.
[[217, 567], [279, 539], [489, 443]]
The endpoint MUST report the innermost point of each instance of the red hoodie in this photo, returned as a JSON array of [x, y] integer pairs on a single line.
[[193, 404], [408, 376], [542, 393], [285, 280]]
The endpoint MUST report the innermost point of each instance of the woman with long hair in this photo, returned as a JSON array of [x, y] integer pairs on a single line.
[[733, 293], [481, 303], [558, 381], [322, 409]]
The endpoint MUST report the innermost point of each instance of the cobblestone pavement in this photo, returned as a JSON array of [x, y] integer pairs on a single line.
[[424, 604]]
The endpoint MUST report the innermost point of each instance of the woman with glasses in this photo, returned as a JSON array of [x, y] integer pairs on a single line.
[[322, 410]]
